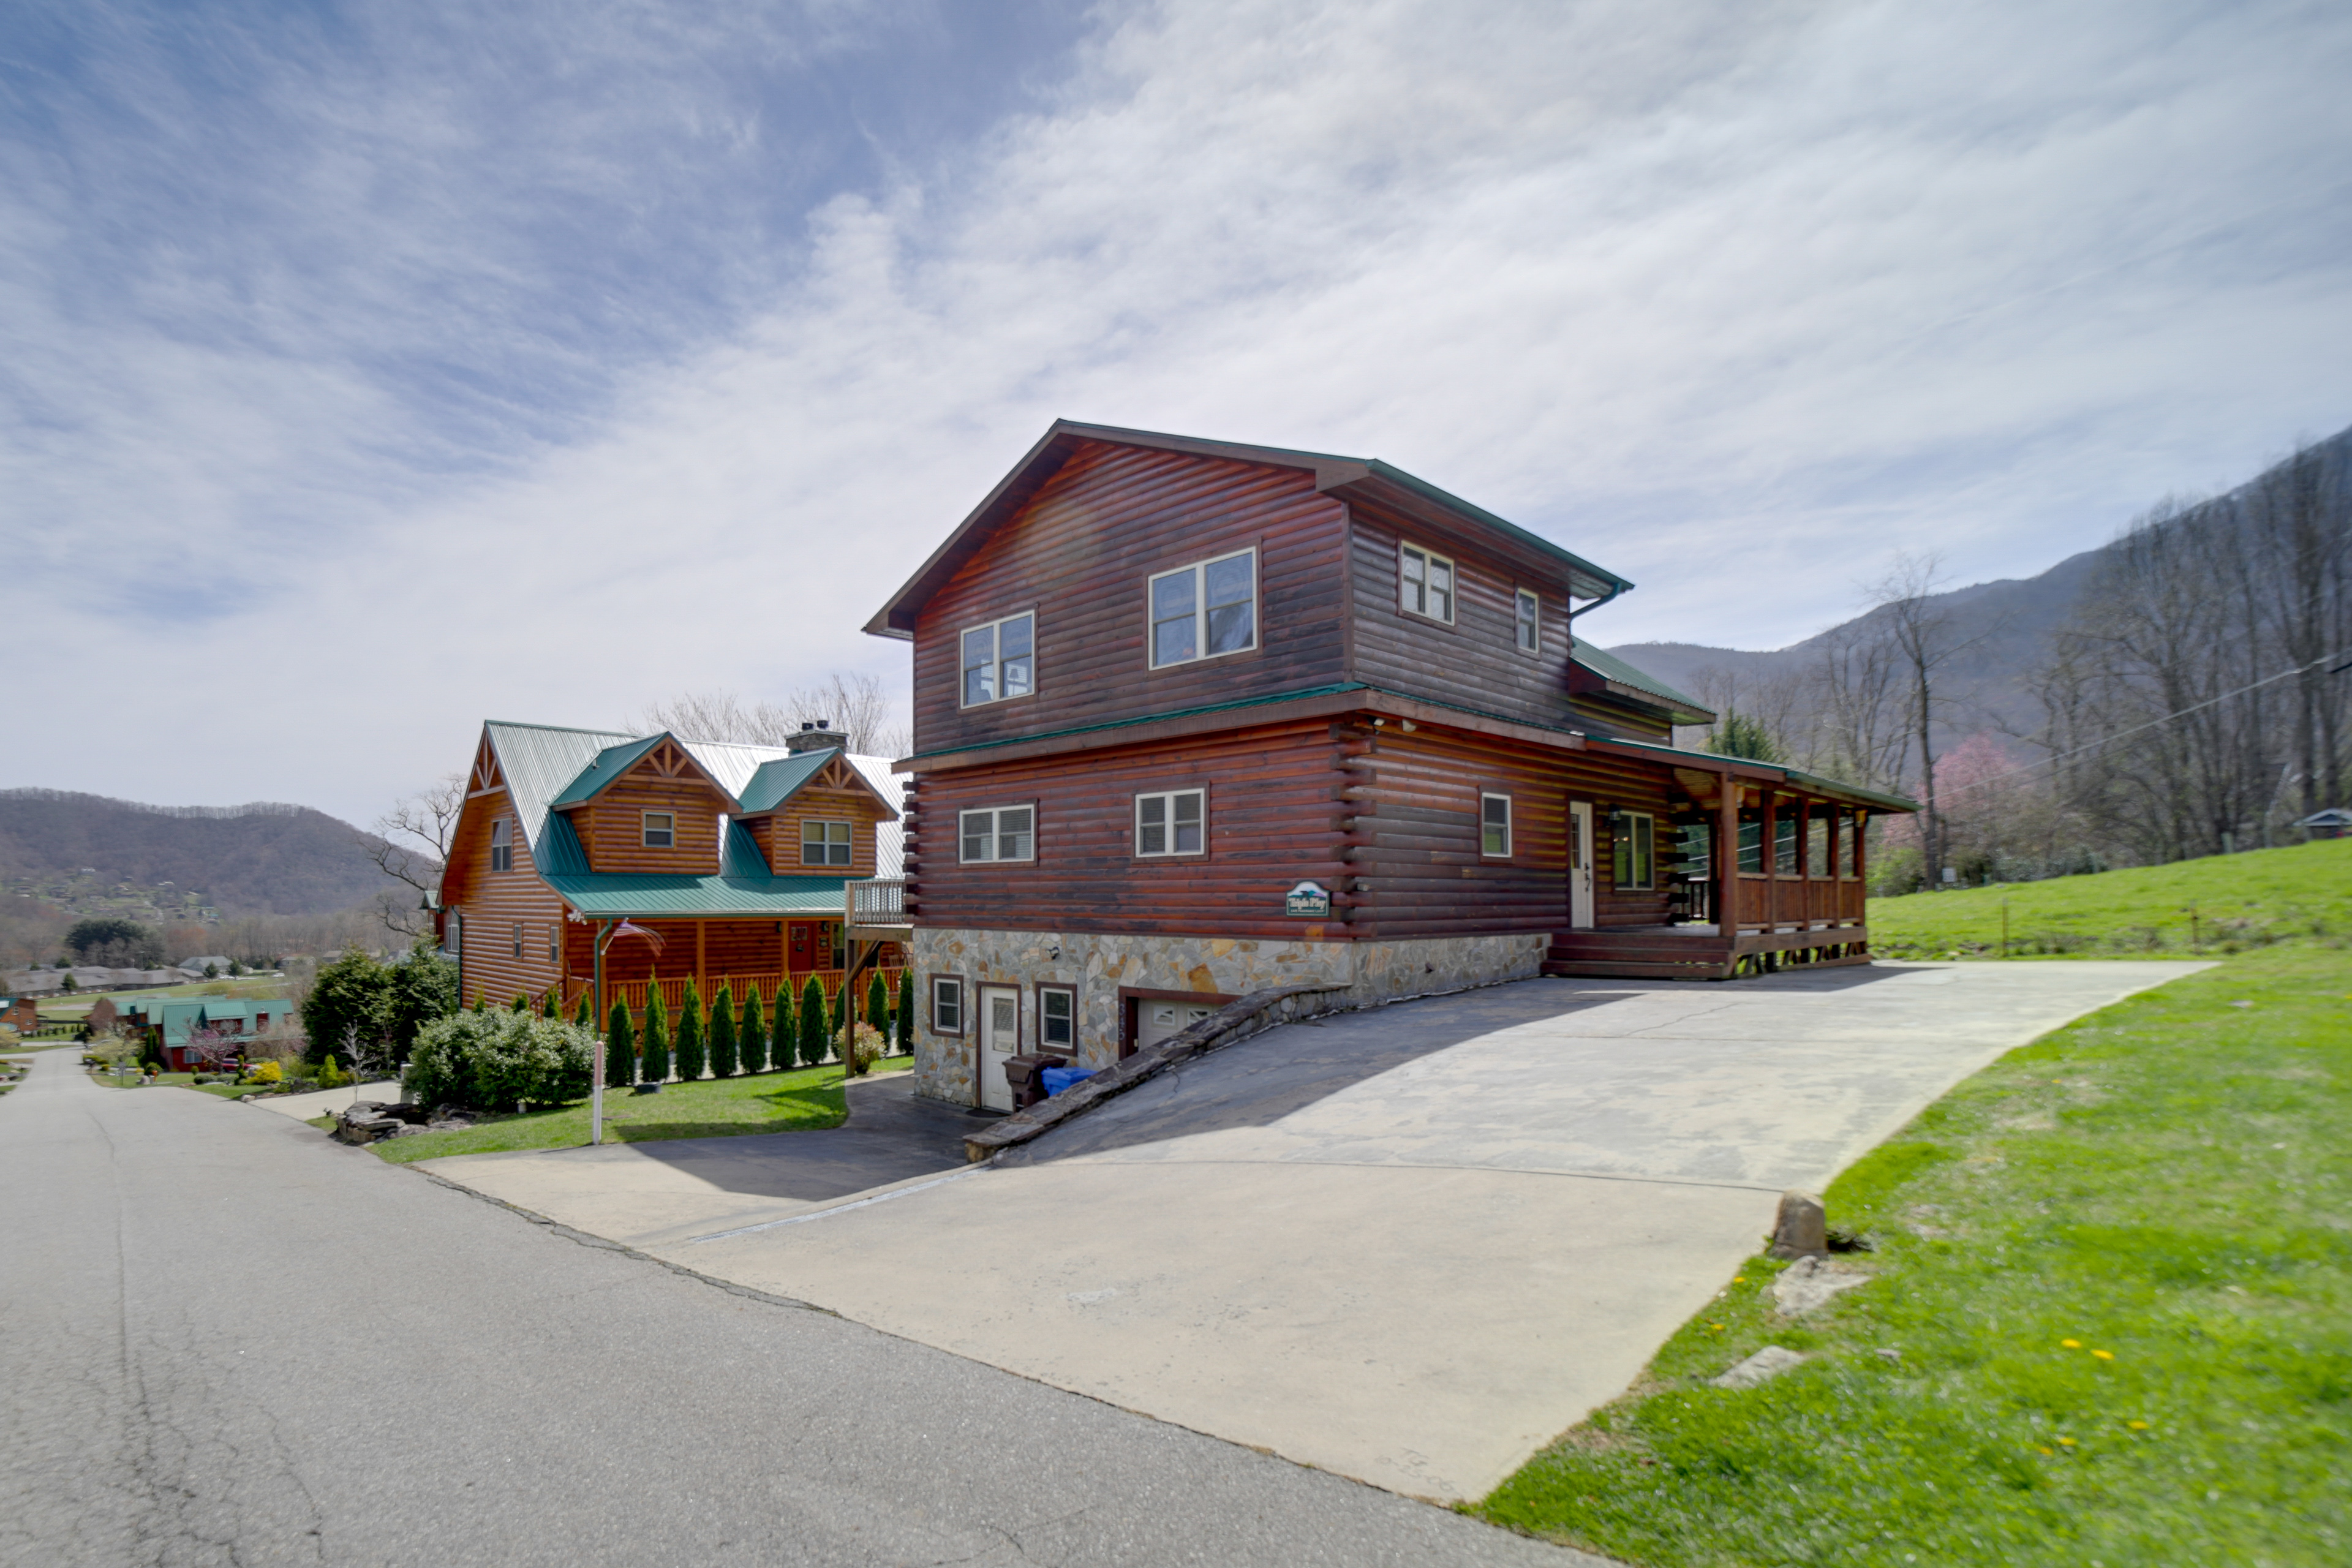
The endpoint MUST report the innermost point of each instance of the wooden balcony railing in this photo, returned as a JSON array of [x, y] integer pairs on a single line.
[[1769, 901], [877, 901]]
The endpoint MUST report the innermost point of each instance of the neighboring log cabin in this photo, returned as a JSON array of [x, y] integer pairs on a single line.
[[1195, 718], [738, 859]]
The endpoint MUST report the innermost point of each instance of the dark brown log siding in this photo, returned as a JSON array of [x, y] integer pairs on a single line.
[[1079, 553], [492, 903]]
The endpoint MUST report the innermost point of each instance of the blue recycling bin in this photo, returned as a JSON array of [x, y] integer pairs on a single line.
[[1057, 1079]]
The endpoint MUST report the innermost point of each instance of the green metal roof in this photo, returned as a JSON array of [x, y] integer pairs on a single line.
[[1609, 667], [610, 763], [776, 781], [610, 895], [1794, 775], [538, 763]]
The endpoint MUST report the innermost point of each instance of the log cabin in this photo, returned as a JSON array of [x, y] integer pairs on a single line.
[[1195, 718], [741, 861]]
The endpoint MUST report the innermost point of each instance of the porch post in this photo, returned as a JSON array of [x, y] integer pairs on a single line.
[[1726, 859], [700, 980]]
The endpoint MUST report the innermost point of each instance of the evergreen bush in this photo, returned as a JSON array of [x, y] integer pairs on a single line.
[[547, 1006], [906, 1018], [878, 1006], [783, 1030], [814, 1033], [691, 1042], [620, 1046], [654, 1061], [722, 1031], [580, 1015], [494, 1061], [752, 1033], [521, 1003]]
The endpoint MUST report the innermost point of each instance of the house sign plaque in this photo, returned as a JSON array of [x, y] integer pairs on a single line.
[[1308, 900]]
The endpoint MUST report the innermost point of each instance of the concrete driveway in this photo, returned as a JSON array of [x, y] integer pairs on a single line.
[[1409, 1246]]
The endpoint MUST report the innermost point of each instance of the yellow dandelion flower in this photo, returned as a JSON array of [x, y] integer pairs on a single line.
[[2137, 1426], [1739, 1280], [2104, 1355], [2072, 1345], [2043, 1450], [2065, 1442]]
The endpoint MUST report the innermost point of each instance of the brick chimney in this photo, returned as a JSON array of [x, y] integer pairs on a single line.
[[816, 737]]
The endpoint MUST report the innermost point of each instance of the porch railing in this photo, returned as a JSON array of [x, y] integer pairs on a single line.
[[1766, 902], [877, 901]]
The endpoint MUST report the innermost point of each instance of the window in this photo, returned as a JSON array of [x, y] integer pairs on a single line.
[[661, 829], [1530, 619], [999, 660], [1494, 826], [824, 844], [999, 833], [453, 933], [1168, 824], [1697, 852], [518, 941], [1634, 838], [1428, 584], [555, 945], [1057, 1017], [946, 1005], [503, 845], [1205, 609]]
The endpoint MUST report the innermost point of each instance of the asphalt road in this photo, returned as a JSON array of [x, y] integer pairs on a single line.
[[231, 1341]]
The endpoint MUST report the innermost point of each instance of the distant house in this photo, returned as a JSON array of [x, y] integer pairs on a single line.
[[21, 1013], [2332, 823], [737, 860], [170, 1026]]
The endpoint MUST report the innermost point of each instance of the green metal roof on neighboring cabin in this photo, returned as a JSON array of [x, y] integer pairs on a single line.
[[610, 764], [610, 895], [1609, 667], [773, 783]]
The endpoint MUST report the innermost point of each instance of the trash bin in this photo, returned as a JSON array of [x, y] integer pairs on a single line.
[[1021, 1073], [1058, 1078]]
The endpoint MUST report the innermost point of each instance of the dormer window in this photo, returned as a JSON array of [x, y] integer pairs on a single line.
[[824, 844], [1426, 585], [999, 660], [660, 830], [503, 845], [1204, 610]]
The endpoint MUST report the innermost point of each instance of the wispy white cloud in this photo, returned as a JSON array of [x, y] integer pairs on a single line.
[[1736, 299]]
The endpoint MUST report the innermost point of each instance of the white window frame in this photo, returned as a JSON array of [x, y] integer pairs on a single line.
[[848, 844], [1487, 827], [555, 944], [1408, 590], [646, 830], [948, 988], [1526, 619], [517, 939], [502, 843], [995, 630], [996, 835], [1168, 822], [1629, 849], [1045, 1017], [1199, 571]]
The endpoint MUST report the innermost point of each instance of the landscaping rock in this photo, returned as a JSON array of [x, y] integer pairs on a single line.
[[1769, 1362], [1802, 1229], [1809, 1283]]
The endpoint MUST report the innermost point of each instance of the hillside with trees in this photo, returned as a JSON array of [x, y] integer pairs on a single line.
[[2184, 691]]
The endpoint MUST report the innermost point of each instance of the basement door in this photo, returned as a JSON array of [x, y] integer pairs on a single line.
[[1580, 865], [999, 1038], [1156, 1021]]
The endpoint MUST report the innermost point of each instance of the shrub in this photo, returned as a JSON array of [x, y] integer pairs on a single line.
[[783, 1029], [580, 1015], [866, 1045], [722, 1031], [521, 1003], [752, 1033], [330, 1074], [352, 992], [547, 1007], [878, 1006], [813, 1030], [654, 1063], [620, 1045], [493, 1061], [265, 1072], [906, 1018], [691, 1021]]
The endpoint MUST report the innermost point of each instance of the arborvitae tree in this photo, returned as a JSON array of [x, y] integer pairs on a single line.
[[521, 1003], [547, 1006], [814, 1033], [691, 1042], [582, 1014], [620, 1046], [481, 1000], [722, 1031], [906, 1018], [655, 1068], [752, 1033], [877, 1004], [783, 1030]]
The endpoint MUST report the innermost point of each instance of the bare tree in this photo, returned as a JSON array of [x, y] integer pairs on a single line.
[[410, 845], [1921, 635], [856, 704]]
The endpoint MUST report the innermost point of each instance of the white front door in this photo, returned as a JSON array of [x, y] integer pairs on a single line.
[[1580, 865], [1156, 1021], [1000, 1037]]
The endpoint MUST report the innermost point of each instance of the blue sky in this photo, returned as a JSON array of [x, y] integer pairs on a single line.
[[372, 370]]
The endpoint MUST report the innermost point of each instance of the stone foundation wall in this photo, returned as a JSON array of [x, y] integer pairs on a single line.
[[1099, 966]]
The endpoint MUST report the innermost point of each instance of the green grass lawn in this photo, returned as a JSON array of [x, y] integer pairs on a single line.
[[2222, 904], [173, 1080], [795, 1101], [2110, 1323]]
